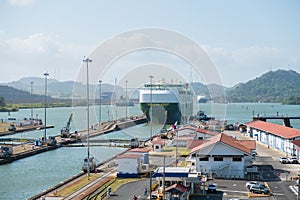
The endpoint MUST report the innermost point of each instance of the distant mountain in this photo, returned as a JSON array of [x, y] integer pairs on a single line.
[[13, 95], [212, 91], [57, 89], [273, 86]]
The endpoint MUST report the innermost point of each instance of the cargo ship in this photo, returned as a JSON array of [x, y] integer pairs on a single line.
[[171, 103]]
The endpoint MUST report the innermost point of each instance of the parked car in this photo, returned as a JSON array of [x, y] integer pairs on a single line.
[[259, 189], [254, 153], [251, 183], [293, 160], [212, 187], [283, 160]]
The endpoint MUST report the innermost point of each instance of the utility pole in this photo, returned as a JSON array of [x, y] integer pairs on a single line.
[[100, 81], [151, 77], [164, 177], [31, 113], [151, 107], [176, 156], [45, 123], [298, 185], [126, 100], [87, 61]]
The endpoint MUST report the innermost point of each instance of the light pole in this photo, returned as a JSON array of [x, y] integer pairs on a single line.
[[186, 99], [150, 176], [31, 113], [298, 186], [45, 123], [100, 81], [126, 102], [87, 61], [151, 109]]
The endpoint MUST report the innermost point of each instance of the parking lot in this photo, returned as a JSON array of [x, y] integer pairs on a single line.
[[277, 175]]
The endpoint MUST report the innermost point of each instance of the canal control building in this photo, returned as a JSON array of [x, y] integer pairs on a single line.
[[222, 156], [274, 135]]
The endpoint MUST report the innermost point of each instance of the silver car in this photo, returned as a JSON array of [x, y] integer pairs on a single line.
[[259, 189], [251, 183]]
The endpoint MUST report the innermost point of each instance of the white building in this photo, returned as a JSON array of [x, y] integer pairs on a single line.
[[141, 151], [200, 134], [221, 156], [129, 165], [274, 135]]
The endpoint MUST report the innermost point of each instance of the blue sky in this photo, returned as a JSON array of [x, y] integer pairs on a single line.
[[243, 38]]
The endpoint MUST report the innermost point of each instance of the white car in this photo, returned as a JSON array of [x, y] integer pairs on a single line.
[[293, 160], [283, 160], [212, 187]]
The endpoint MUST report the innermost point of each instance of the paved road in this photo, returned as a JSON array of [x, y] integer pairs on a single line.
[[281, 187], [126, 192]]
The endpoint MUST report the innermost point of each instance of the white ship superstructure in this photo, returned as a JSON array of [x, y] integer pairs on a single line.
[[171, 102]]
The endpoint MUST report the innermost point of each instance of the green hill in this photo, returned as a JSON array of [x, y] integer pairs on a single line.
[[12, 95], [274, 86]]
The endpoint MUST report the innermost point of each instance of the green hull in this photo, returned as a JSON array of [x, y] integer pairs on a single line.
[[163, 113]]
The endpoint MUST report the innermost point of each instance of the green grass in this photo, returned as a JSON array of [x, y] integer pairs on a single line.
[[66, 191], [168, 151]]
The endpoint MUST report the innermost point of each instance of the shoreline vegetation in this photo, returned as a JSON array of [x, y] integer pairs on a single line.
[[16, 107]]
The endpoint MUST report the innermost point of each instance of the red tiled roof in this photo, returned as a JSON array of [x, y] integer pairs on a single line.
[[196, 129], [182, 138], [194, 143], [251, 144], [223, 138], [296, 142], [205, 131], [162, 142], [139, 150], [177, 186], [130, 155], [275, 129], [187, 127], [158, 140]]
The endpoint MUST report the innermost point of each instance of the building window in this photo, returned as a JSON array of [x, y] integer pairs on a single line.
[[204, 158], [237, 159], [218, 158]]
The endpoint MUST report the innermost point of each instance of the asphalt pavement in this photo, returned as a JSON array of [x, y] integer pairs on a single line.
[[277, 176], [127, 191]]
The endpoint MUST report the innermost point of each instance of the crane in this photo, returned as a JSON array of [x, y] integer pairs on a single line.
[[65, 132]]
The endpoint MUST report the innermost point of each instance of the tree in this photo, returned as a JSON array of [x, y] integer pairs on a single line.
[[2, 102]]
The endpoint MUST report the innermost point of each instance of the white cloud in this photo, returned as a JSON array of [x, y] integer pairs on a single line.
[[37, 53], [20, 2], [256, 55], [241, 65]]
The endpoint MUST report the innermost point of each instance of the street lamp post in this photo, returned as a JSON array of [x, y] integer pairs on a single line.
[[126, 101], [298, 186], [87, 61], [150, 175], [31, 113], [151, 109], [100, 81], [186, 99], [45, 123]]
